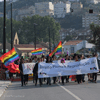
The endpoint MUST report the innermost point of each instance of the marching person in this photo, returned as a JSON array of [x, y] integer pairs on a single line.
[[95, 74], [35, 72], [89, 74], [34, 60], [48, 60], [54, 78], [78, 77], [63, 77], [83, 75], [21, 71]]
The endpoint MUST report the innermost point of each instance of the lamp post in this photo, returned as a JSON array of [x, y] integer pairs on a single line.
[[35, 34], [11, 28], [49, 41], [54, 39], [4, 28]]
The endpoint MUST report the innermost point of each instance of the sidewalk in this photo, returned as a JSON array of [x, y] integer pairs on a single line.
[[3, 86]]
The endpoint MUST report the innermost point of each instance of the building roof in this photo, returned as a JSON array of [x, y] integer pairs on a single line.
[[31, 46], [24, 46], [74, 42]]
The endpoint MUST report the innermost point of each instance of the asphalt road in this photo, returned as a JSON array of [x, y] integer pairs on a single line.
[[69, 91]]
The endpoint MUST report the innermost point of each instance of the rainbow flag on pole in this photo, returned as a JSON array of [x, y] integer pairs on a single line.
[[9, 57], [37, 51], [57, 50]]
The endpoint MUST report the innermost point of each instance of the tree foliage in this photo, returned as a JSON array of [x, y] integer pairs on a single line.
[[26, 29], [95, 30]]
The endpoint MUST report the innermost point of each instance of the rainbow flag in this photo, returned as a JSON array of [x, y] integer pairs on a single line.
[[37, 51], [9, 57], [57, 50]]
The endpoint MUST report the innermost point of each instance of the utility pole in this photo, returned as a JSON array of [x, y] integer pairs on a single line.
[[54, 39], [11, 29], [49, 41], [35, 34], [4, 28]]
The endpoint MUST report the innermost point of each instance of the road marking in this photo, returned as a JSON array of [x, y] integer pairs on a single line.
[[77, 98]]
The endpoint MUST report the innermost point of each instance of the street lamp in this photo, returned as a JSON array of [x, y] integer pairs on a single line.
[[11, 28], [35, 34], [4, 28], [49, 40], [53, 38]]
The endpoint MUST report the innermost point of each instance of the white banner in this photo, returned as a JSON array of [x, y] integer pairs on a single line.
[[28, 68], [71, 68], [66, 61]]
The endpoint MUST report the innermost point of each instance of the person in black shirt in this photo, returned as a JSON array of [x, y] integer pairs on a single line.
[[35, 72], [21, 71], [48, 60]]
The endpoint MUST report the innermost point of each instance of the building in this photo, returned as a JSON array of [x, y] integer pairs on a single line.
[[14, 14], [61, 9], [44, 9], [26, 49], [73, 0], [77, 7], [66, 32], [25, 12], [71, 47], [12, 0], [93, 1], [89, 18]]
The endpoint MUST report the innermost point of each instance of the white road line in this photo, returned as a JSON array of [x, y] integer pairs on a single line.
[[77, 98]]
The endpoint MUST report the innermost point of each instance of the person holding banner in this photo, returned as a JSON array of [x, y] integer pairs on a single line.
[[63, 77], [83, 75], [67, 77], [78, 77], [48, 60], [34, 60], [95, 74], [89, 74], [21, 71], [54, 78], [35, 72]]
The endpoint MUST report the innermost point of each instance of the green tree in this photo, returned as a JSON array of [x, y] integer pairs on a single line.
[[95, 30], [44, 26], [26, 30]]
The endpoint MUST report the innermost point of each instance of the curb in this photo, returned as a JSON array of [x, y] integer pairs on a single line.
[[5, 89]]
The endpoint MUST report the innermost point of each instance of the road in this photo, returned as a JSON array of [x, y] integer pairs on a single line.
[[69, 91]]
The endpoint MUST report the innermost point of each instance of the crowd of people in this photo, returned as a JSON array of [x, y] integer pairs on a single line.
[[61, 79]]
